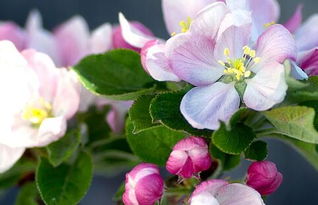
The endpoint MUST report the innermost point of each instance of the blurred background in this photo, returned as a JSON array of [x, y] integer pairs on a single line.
[[300, 185]]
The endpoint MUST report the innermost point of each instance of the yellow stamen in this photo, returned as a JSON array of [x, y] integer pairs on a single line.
[[37, 114], [269, 24], [173, 34], [257, 60], [185, 25], [227, 52]]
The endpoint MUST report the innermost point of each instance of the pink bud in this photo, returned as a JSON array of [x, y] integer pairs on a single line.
[[119, 41], [189, 156], [264, 177], [12, 32], [144, 185]]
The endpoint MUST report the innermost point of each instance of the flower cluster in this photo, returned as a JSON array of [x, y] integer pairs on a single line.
[[121, 98]]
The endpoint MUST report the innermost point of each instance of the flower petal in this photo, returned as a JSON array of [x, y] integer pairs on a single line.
[[72, 40], [39, 38], [101, 39], [204, 199], [132, 35], [9, 156], [66, 101], [12, 32], [212, 186], [179, 10], [297, 72], [205, 107], [275, 44], [50, 130], [156, 63], [267, 88], [191, 59], [295, 21], [308, 61], [209, 19], [234, 38], [306, 35], [238, 194]]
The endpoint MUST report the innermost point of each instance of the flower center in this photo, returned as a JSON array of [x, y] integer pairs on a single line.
[[239, 68], [37, 112], [184, 25]]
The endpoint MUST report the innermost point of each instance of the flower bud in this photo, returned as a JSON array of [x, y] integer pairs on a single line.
[[144, 185], [119, 41], [189, 156], [264, 177]]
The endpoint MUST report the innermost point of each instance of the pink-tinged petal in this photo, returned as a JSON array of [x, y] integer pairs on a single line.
[[238, 194], [9, 156], [205, 107], [201, 159], [50, 131], [45, 70], [187, 170], [209, 19], [211, 186], [72, 40], [267, 88], [308, 61], [87, 99], [176, 161], [237, 4], [180, 10], [155, 61], [295, 21], [234, 39], [306, 35], [10, 55], [191, 59], [297, 72], [66, 101], [263, 12], [133, 35], [101, 39], [275, 44], [12, 32], [149, 189], [40, 39], [204, 199]]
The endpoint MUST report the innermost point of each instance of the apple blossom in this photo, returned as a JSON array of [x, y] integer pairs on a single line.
[[264, 177], [38, 99], [144, 185], [220, 192], [224, 66], [12, 32], [189, 157]]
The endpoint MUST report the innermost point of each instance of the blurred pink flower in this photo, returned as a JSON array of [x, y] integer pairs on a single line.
[[38, 99]]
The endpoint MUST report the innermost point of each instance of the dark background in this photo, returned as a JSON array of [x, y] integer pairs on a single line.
[[300, 185]]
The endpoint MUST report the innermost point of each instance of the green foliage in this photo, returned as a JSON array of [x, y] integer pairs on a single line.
[[28, 195], [301, 91], [233, 141], [153, 145], [117, 74], [139, 113], [165, 108], [227, 161], [294, 121], [62, 149], [66, 184], [257, 151]]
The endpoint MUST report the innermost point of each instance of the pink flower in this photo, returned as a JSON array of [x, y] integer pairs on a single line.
[[220, 192], [216, 55], [12, 32], [144, 185], [38, 99], [189, 156], [264, 177]]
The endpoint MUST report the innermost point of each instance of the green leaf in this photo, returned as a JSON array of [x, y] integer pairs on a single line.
[[66, 184], [307, 150], [165, 108], [312, 104], [233, 141], [303, 91], [28, 195], [117, 74], [139, 113], [119, 193], [257, 151], [294, 121], [97, 127], [62, 149], [153, 145], [227, 161]]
